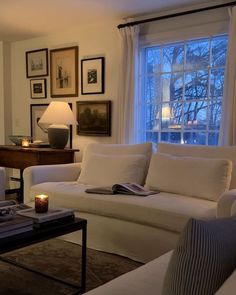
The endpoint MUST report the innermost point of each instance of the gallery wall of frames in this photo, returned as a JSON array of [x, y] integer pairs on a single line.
[[68, 76]]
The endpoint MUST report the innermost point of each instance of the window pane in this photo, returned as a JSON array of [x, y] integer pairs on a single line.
[[214, 115], [152, 137], [171, 115], [152, 89], [153, 57], [217, 83], [213, 138], [173, 58], [152, 117], [172, 87], [195, 138], [197, 54], [195, 115], [219, 51], [174, 137], [196, 85]]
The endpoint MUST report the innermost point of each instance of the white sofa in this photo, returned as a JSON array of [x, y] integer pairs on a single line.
[[139, 228]]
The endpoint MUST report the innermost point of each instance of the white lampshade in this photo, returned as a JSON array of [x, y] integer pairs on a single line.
[[58, 112]]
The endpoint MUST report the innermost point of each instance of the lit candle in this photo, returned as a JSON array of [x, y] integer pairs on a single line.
[[25, 143], [41, 203]]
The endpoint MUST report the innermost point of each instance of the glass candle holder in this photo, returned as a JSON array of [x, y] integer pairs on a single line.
[[41, 203], [25, 142]]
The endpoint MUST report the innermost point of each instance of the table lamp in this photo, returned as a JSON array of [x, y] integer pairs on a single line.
[[59, 115]]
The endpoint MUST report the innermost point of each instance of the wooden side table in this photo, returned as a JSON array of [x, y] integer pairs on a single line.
[[19, 158]]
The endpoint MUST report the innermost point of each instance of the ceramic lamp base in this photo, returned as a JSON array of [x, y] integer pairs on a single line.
[[58, 136]]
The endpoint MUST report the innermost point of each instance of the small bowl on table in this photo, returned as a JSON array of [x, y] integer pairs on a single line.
[[17, 139]]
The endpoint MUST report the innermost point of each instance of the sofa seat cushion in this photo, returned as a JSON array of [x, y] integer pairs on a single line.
[[147, 279], [163, 210]]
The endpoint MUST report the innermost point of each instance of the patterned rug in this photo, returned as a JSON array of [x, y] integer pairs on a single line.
[[61, 259]]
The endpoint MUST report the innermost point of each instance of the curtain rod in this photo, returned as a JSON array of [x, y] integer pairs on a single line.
[[147, 20]]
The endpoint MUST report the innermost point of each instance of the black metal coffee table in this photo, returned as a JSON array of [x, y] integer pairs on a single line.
[[54, 230]]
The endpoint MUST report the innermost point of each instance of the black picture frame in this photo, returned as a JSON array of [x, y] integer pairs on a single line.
[[93, 75], [38, 88], [94, 118], [36, 63], [38, 132], [64, 71]]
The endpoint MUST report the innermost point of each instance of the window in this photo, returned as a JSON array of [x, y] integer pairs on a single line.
[[181, 91]]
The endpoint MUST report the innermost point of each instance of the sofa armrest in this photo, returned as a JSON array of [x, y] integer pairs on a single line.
[[49, 173], [228, 287], [2, 183], [226, 205]]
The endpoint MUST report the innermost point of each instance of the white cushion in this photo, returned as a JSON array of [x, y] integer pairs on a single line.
[[147, 279], [164, 210], [196, 177], [202, 151], [229, 286], [119, 149], [107, 170]]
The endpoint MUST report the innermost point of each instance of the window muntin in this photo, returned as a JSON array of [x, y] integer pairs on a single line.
[[181, 91]]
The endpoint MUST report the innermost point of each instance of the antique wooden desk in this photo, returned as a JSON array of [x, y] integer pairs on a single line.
[[18, 157]]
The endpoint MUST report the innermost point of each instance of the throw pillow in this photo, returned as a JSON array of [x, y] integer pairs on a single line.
[[196, 177], [119, 150], [203, 259], [107, 170]]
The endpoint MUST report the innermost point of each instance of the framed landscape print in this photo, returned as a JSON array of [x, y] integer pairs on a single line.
[[92, 75], [37, 63], [38, 88], [64, 72], [39, 131], [94, 118]]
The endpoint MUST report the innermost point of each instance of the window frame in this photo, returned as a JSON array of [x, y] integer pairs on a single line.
[[141, 82]]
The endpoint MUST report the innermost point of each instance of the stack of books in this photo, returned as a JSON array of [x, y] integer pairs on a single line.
[[54, 215], [16, 225]]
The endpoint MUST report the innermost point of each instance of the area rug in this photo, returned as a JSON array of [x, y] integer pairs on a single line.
[[61, 259]]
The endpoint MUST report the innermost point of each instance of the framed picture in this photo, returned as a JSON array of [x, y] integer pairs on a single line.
[[64, 72], [38, 88], [94, 118], [37, 63], [39, 131], [92, 75]]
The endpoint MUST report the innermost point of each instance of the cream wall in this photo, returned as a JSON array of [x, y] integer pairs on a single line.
[[102, 40], [5, 92]]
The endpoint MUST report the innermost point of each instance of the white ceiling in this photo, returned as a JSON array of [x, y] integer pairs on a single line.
[[23, 19]]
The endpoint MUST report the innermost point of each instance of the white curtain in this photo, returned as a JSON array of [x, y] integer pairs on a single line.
[[128, 84], [228, 121]]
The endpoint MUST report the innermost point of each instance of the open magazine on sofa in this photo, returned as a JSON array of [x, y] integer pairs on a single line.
[[121, 188]]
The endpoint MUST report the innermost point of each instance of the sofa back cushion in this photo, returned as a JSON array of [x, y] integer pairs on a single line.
[[215, 152], [144, 149], [106, 170], [203, 259], [195, 177]]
